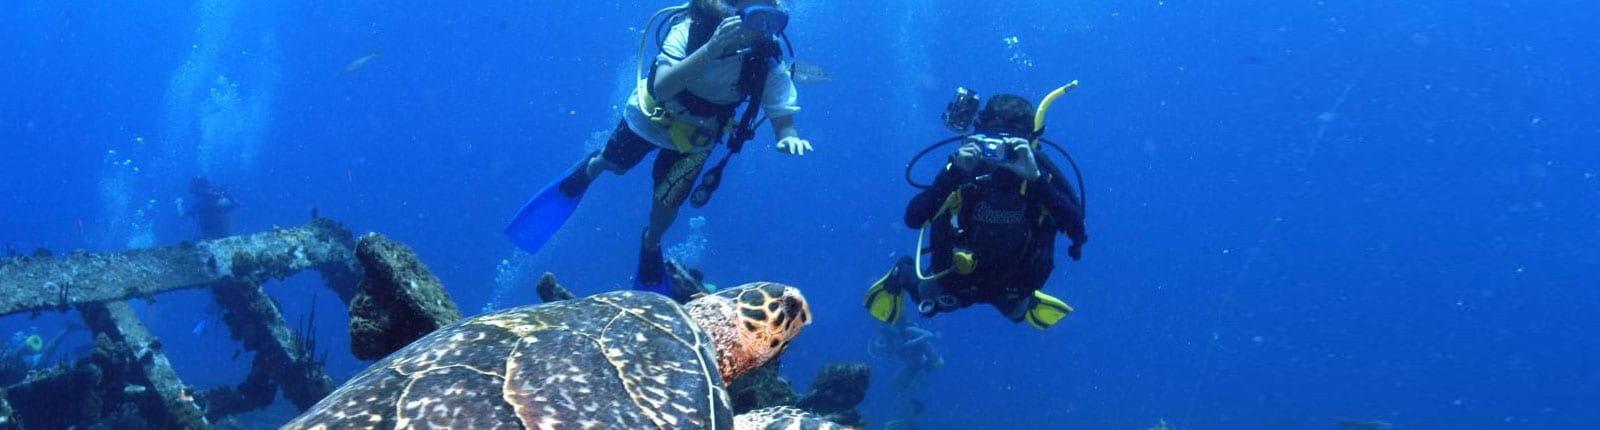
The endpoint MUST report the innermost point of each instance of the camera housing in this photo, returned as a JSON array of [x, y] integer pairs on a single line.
[[961, 111]]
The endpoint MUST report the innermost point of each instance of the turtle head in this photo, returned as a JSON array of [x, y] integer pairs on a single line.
[[750, 324]]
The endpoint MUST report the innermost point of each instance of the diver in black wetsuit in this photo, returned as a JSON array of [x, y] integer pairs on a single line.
[[992, 216], [211, 208]]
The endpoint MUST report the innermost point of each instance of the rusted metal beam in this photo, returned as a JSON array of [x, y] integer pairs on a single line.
[[60, 283], [177, 408], [281, 360]]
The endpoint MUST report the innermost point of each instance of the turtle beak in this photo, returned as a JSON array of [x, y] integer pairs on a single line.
[[799, 312]]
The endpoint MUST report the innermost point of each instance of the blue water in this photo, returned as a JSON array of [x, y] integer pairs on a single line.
[[1299, 211]]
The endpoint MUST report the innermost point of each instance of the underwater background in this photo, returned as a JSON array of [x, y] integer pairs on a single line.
[[1299, 212]]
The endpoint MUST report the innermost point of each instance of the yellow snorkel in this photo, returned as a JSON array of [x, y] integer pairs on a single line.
[[1044, 107]]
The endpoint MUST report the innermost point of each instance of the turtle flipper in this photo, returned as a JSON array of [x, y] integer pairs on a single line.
[[782, 417]]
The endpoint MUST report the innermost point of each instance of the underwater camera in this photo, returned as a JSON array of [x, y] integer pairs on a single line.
[[767, 20], [958, 115], [994, 148]]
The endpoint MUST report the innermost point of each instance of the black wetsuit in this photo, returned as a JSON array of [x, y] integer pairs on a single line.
[[1009, 229], [211, 208]]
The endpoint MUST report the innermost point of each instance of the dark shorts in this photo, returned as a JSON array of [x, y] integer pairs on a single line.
[[625, 148], [674, 172]]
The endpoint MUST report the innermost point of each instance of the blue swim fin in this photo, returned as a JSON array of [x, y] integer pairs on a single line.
[[543, 215]]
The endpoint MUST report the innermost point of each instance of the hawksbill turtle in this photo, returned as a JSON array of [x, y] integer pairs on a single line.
[[618, 360]]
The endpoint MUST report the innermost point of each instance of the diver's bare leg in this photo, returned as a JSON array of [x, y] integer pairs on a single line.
[[661, 219]]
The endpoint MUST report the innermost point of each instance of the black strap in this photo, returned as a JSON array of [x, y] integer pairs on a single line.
[[752, 80], [712, 179]]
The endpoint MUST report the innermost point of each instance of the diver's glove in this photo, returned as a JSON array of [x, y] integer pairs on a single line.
[[1079, 238], [1076, 250]]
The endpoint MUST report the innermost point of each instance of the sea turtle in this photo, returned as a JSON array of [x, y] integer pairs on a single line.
[[618, 360]]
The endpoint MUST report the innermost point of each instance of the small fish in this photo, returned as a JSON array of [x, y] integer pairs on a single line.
[[806, 72], [358, 63], [199, 328]]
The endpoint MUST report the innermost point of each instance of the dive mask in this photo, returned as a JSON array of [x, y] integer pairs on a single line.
[[768, 20]]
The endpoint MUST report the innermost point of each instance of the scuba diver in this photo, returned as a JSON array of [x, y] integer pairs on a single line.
[[991, 215], [27, 352], [715, 55], [913, 346], [210, 208]]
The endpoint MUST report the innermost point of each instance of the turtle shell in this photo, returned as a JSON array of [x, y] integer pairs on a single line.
[[622, 359]]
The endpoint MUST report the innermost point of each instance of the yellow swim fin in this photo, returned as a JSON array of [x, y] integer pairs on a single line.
[[1047, 310], [883, 302]]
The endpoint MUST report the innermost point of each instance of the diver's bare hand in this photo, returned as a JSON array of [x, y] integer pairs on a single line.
[[794, 145], [1023, 163], [729, 37], [966, 157]]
